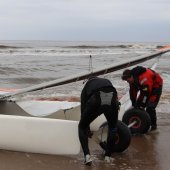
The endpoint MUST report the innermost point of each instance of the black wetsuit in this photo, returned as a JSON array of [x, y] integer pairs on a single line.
[[98, 96]]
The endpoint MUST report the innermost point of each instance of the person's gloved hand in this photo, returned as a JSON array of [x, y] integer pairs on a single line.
[[117, 104], [140, 107], [89, 133], [134, 104]]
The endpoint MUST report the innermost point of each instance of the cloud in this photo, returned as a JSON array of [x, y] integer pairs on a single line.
[[92, 19]]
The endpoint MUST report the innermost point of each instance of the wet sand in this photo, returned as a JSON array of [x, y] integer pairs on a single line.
[[146, 152]]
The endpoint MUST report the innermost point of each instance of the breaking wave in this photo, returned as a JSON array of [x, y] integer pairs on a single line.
[[100, 46], [9, 47]]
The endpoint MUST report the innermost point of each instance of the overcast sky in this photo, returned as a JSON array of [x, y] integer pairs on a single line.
[[85, 20]]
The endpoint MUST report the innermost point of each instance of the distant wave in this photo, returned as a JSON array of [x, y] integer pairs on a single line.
[[5, 46], [159, 46], [14, 47], [100, 46]]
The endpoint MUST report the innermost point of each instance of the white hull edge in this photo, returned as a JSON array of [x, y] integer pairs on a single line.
[[39, 135]]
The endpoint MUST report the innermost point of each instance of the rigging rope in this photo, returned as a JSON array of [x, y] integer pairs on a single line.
[[90, 64]]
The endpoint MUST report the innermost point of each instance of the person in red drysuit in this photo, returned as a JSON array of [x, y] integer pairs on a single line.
[[150, 84]]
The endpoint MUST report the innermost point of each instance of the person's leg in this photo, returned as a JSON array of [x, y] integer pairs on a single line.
[[88, 115], [83, 129], [111, 115], [151, 106], [152, 113]]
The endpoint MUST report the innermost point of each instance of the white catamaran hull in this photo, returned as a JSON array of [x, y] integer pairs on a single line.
[[52, 132], [48, 127], [39, 135]]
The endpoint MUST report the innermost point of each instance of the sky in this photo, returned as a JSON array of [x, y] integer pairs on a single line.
[[85, 20]]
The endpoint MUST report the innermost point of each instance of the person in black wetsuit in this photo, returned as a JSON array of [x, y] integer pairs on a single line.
[[98, 96]]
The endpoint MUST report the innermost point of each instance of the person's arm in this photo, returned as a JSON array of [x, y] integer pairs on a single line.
[[83, 100], [133, 94], [145, 91], [142, 99], [83, 103]]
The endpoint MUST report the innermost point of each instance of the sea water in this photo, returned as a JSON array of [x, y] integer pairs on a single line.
[[27, 63]]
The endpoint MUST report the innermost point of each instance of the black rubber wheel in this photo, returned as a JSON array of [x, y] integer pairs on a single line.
[[142, 119], [123, 137]]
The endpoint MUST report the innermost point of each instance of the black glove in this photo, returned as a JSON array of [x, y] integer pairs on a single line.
[[140, 107], [118, 105], [140, 104], [134, 104], [89, 133], [137, 106]]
